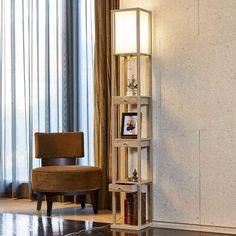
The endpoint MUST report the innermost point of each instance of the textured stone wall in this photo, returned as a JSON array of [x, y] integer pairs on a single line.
[[194, 92]]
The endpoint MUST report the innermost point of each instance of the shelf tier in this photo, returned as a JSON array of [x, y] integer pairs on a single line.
[[134, 54], [144, 100], [128, 186], [144, 142], [132, 182], [130, 227]]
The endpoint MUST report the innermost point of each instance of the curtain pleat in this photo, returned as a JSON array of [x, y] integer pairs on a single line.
[[102, 93], [1, 59], [85, 85], [13, 101]]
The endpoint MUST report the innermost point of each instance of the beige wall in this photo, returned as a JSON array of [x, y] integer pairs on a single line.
[[194, 87]]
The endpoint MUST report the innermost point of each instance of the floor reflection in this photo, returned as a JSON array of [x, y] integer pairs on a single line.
[[28, 225], [32, 225]]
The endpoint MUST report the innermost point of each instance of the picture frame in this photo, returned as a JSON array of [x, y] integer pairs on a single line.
[[129, 125]]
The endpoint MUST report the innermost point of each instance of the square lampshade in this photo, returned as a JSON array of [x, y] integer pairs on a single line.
[[131, 31]]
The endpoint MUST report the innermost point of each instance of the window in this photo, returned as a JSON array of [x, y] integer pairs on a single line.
[[34, 80]]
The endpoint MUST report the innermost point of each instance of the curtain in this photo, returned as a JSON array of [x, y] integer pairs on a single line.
[[32, 77], [102, 93], [38, 90]]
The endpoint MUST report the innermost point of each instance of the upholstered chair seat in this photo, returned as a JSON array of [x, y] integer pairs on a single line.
[[59, 174], [66, 178]]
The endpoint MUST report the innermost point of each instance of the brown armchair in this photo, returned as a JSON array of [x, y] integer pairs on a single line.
[[59, 174]]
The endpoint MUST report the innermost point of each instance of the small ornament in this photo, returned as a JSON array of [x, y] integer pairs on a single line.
[[132, 86], [134, 178]]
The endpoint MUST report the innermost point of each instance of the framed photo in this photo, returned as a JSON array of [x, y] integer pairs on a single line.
[[129, 125]]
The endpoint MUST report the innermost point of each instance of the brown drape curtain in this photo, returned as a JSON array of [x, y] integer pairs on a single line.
[[102, 94]]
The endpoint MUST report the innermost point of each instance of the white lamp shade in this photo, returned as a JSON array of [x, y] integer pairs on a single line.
[[126, 39], [125, 32], [144, 32]]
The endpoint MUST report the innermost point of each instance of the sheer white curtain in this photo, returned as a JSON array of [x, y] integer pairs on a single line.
[[34, 84], [86, 76]]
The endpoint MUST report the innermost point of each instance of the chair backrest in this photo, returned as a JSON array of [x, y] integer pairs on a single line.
[[59, 145]]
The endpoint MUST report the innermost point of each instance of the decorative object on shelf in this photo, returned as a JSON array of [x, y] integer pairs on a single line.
[[131, 76], [131, 209], [129, 125], [134, 178]]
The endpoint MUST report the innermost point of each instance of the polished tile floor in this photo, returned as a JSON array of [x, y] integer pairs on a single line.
[[65, 210], [19, 218], [27, 225]]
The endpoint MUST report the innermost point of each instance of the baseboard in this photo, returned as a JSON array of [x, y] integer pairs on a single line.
[[193, 227]]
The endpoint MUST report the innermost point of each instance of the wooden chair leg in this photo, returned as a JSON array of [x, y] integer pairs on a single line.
[[94, 198], [49, 198], [82, 200], [39, 201]]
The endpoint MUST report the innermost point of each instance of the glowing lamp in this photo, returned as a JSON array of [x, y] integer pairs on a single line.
[[131, 31]]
